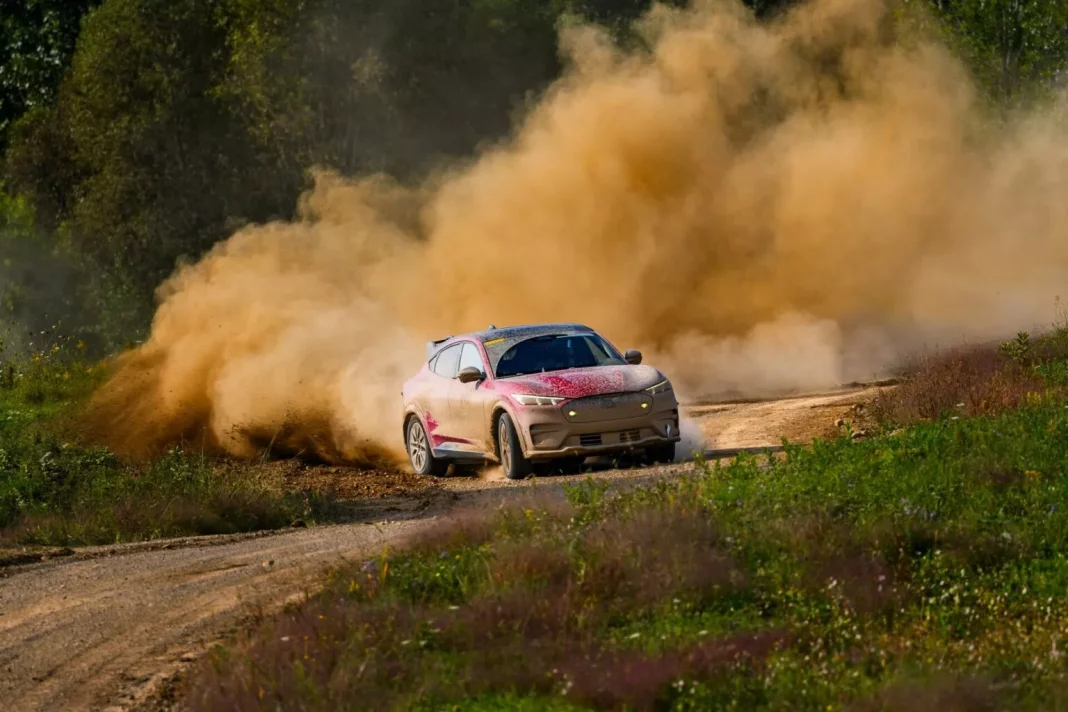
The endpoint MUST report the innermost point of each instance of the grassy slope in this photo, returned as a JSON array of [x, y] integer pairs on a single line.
[[53, 491], [920, 569]]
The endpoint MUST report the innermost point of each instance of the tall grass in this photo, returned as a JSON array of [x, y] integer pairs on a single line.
[[55, 490], [978, 380]]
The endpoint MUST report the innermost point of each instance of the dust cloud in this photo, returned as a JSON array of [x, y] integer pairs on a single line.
[[762, 208]]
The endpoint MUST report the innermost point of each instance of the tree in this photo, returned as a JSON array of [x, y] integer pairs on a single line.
[[1015, 47], [37, 39]]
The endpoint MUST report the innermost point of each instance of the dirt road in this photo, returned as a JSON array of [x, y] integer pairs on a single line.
[[104, 628]]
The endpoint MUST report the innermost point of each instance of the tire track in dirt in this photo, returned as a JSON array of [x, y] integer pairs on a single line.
[[97, 633], [105, 628]]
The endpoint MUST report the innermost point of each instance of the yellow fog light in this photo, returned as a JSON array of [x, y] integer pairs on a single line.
[[645, 405], [572, 413]]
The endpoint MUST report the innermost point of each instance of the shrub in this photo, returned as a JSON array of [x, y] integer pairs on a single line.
[[977, 380]]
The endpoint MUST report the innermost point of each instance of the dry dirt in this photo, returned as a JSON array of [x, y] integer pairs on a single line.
[[798, 419], [107, 627]]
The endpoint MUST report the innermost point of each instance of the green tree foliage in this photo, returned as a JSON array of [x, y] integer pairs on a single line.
[[37, 40], [1017, 48]]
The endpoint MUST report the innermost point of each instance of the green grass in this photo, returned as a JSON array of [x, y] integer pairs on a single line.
[[55, 491], [925, 569]]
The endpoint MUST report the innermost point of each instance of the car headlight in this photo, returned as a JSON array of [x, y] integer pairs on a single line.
[[523, 399], [662, 387]]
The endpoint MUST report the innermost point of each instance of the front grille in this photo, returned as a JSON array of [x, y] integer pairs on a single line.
[[630, 436], [590, 440], [611, 406]]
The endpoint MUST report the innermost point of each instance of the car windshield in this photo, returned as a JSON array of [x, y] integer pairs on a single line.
[[557, 352]]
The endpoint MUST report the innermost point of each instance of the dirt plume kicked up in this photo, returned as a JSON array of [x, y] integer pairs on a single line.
[[760, 207]]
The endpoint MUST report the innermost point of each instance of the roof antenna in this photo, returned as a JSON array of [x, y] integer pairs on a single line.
[[491, 327]]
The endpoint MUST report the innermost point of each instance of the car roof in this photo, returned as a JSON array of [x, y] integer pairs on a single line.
[[528, 331], [498, 340]]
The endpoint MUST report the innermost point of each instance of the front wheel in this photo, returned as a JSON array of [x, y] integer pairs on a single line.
[[516, 467], [663, 453], [420, 453]]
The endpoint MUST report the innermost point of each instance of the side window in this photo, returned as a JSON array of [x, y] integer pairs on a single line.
[[471, 357], [445, 364]]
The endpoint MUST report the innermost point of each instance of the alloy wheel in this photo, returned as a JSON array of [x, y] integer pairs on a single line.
[[506, 446], [417, 446]]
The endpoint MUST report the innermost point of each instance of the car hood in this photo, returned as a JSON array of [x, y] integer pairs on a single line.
[[582, 382]]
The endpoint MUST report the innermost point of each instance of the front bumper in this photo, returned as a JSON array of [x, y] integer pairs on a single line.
[[600, 425]]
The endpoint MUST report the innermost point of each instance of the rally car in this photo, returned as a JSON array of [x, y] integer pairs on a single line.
[[549, 393]]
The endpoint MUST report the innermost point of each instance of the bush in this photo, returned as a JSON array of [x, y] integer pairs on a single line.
[[977, 380]]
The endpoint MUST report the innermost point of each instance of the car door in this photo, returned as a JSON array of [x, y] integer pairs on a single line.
[[436, 398], [469, 403]]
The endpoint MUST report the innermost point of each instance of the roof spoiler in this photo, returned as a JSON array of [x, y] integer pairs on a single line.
[[432, 346]]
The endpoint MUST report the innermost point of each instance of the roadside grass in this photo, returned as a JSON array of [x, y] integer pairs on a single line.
[[978, 380], [55, 491], [920, 570]]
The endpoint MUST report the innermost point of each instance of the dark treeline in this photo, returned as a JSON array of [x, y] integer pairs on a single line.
[[136, 133]]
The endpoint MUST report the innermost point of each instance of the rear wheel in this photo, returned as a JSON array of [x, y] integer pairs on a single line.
[[420, 453], [516, 467], [663, 453]]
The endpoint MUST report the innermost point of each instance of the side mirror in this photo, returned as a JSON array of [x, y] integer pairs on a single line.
[[469, 374], [633, 357]]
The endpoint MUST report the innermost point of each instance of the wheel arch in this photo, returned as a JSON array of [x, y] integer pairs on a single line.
[[499, 409], [406, 422], [495, 426]]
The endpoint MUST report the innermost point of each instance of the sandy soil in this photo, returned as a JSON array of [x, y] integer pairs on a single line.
[[107, 627], [799, 419]]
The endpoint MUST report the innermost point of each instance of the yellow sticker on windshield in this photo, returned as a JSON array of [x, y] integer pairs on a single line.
[[494, 341]]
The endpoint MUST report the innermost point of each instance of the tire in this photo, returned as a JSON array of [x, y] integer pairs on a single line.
[[420, 454], [515, 465], [662, 454]]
